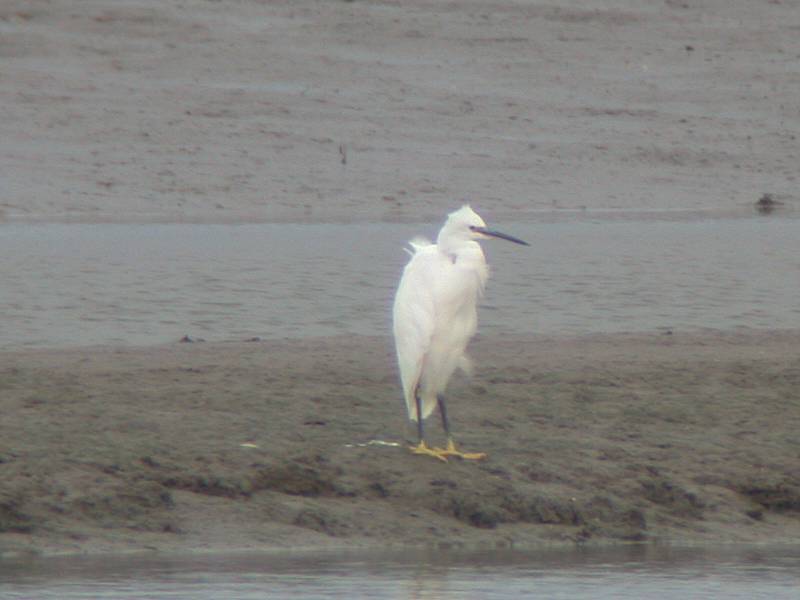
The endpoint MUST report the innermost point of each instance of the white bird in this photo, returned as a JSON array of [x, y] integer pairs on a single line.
[[435, 315]]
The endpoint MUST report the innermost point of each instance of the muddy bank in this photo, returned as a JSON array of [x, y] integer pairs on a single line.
[[689, 438]]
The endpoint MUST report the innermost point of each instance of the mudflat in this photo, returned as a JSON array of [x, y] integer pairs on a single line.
[[365, 111], [264, 445]]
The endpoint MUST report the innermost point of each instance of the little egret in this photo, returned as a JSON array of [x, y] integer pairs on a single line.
[[435, 315]]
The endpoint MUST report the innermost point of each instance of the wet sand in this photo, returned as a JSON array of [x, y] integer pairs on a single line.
[[264, 445]]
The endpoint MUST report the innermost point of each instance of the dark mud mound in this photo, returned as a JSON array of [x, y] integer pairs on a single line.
[[604, 439]]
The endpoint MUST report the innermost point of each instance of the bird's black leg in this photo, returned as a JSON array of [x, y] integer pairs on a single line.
[[443, 413], [451, 446], [418, 401], [422, 448]]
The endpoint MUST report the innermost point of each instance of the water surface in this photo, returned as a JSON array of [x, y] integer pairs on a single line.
[[637, 572], [145, 284]]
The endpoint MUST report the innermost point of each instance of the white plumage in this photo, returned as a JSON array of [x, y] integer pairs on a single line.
[[435, 309], [435, 314]]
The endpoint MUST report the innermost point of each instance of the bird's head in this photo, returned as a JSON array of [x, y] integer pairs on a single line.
[[466, 225]]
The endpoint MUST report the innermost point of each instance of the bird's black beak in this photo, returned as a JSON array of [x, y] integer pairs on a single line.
[[497, 234]]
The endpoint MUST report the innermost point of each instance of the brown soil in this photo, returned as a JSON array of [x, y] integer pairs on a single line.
[[266, 445]]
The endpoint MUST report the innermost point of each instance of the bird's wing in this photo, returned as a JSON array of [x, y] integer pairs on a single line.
[[414, 319]]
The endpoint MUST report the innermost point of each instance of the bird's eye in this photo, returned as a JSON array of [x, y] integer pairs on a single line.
[[472, 228]]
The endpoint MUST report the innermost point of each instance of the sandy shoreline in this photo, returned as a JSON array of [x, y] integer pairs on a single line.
[[248, 446]]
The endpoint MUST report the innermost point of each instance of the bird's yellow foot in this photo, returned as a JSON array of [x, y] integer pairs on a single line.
[[422, 448], [451, 450]]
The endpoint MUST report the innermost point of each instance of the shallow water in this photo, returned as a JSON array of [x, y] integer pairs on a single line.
[[146, 284], [613, 573]]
